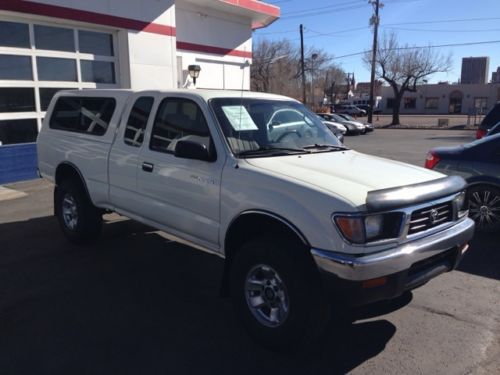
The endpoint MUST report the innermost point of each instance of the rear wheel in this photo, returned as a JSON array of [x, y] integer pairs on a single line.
[[484, 207], [277, 294], [80, 220]]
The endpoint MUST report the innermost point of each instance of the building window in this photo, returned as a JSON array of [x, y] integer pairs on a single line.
[[14, 34], [431, 103], [98, 71], [56, 69], [54, 38], [410, 103], [18, 131], [46, 59], [15, 68], [95, 43], [390, 103], [481, 105], [17, 99]]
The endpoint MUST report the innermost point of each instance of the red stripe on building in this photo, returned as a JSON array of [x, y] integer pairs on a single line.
[[256, 6], [214, 50], [31, 7]]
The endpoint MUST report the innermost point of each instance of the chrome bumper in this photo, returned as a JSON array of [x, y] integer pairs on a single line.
[[398, 259]]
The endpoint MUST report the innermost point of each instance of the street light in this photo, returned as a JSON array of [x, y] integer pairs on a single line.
[[314, 56], [194, 72]]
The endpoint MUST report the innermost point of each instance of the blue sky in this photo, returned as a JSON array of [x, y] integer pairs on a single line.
[[473, 21]]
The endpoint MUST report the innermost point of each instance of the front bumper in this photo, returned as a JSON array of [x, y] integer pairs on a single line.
[[394, 271], [366, 267]]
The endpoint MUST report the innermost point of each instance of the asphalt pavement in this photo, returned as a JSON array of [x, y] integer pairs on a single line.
[[137, 302]]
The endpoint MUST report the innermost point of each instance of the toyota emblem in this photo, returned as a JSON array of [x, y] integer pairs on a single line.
[[433, 216]]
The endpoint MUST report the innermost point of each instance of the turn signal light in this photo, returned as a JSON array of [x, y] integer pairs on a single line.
[[431, 160], [373, 283], [480, 133]]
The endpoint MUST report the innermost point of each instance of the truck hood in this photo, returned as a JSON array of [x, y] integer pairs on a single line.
[[348, 174]]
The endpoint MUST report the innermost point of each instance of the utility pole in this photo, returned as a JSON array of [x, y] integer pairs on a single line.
[[302, 64], [314, 56], [375, 20]]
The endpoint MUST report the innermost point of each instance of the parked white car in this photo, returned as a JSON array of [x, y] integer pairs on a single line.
[[304, 225], [352, 127]]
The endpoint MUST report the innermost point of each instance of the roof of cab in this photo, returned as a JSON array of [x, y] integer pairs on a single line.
[[205, 94]]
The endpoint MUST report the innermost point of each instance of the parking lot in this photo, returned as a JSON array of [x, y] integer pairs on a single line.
[[137, 302]]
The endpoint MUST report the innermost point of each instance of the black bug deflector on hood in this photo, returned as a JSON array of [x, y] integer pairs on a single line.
[[401, 196]]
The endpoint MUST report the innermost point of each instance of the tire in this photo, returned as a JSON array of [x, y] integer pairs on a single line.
[[80, 220], [484, 207], [278, 279]]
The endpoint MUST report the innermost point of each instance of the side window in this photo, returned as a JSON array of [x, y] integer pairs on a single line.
[[82, 114], [178, 119], [137, 121]]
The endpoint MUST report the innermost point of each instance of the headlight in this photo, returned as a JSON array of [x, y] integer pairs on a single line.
[[366, 228], [374, 226]]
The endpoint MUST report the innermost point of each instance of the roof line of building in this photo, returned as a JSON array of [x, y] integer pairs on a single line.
[[31, 7]]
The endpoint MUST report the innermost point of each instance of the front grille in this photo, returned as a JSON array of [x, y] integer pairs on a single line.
[[430, 217]]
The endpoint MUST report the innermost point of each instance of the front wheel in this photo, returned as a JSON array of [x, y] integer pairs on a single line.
[[484, 207], [80, 220], [277, 294]]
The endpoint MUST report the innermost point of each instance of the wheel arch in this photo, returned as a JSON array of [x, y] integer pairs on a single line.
[[249, 224], [483, 180], [67, 170]]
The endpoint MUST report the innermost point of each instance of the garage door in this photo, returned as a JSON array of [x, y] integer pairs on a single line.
[[37, 60]]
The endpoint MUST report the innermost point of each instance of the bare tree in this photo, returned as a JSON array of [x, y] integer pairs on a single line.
[[405, 67], [265, 54], [276, 68]]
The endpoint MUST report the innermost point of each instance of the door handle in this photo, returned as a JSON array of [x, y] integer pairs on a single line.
[[147, 167]]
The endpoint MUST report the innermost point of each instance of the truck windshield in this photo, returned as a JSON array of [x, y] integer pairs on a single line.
[[265, 127]]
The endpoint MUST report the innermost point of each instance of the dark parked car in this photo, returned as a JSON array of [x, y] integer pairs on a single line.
[[352, 127], [490, 120], [365, 107], [350, 109], [479, 163]]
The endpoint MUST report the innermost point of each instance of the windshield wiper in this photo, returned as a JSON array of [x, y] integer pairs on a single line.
[[321, 146], [273, 151]]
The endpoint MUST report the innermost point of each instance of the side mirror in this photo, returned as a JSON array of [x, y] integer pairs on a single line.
[[192, 150]]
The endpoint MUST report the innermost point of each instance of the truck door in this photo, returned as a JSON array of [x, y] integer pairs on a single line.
[[181, 194], [124, 155]]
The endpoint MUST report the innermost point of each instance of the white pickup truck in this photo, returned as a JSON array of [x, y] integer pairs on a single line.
[[304, 225]]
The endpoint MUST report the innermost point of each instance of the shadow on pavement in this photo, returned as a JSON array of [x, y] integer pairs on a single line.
[[137, 303], [458, 138], [483, 258]]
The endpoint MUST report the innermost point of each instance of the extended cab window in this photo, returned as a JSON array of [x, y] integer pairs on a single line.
[[178, 119], [137, 121], [89, 115]]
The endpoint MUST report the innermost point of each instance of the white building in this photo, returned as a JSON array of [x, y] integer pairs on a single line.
[[48, 45], [444, 99]]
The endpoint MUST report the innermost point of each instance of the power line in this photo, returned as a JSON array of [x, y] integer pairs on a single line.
[[301, 11], [443, 21], [420, 47], [442, 30], [333, 33], [316, 13]]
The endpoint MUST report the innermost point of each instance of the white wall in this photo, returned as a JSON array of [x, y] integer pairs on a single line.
[[208, 28]]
